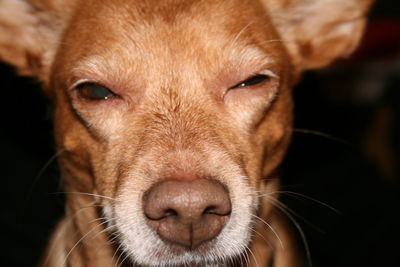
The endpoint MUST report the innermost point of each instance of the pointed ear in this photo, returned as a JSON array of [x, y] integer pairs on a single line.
[[316, 32], [29, 32]]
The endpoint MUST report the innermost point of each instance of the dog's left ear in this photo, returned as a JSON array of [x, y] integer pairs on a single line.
[[29, 34], [316, 32]]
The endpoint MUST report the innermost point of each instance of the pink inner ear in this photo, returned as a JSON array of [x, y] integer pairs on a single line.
[[24, 39], [318, 32], [339, 42], [16, 39]]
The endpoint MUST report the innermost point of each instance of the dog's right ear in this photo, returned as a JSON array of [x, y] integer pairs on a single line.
[[29, 33]]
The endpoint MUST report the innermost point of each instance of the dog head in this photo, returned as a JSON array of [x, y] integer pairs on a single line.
[[176, 112]]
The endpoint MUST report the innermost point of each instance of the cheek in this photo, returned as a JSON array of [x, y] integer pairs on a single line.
[[104, 120], [244, 115], [109, 125], [274, 132], [247, 107], [89, 148]]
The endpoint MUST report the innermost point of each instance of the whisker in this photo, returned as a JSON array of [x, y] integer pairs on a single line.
[[284, 206], [246, 258], [270, 227], [114, 237], [265, 240], [299, 229], [41, 172], [107, 243], [243, 255], [295, 194], [254, 257], [322, 134], [116, 251], [105, 221], [272, 41], [120, 255], [101, 218], [87, 194], [125, 258], [58, 235], [234, 40], [110, 241], [79, 241], [76, 213]]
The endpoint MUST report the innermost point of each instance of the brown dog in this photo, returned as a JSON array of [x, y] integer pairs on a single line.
[[171, 118]]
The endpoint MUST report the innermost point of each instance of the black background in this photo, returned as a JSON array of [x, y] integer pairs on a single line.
[[366, 232]]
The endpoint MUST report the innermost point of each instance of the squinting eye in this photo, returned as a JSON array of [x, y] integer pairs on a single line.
[[252, 81], [94, 91]]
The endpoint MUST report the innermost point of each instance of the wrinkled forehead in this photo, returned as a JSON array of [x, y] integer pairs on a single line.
[[170, 36]]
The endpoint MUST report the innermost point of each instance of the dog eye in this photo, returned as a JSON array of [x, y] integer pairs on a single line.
[[94, 91], [252, 81]]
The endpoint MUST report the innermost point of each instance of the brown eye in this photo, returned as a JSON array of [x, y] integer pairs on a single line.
[[94, 91], [252, 81]]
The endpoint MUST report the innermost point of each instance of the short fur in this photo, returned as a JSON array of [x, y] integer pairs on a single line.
[[173, 63]]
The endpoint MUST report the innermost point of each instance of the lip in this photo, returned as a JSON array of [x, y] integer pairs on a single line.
[[202, 251]]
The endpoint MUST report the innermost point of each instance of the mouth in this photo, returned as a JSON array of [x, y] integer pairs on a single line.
[[177, 220], [161, 244], [158, 252], [207, 254]]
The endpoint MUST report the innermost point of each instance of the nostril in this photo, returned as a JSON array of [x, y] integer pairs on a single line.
[[217, 210], [187, 213], [160, 215], [210, 210], [170, 212]]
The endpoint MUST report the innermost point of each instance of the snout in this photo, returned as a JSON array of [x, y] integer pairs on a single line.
[[187, 213]]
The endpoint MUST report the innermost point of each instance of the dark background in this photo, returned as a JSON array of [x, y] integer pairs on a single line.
[[345, 152]]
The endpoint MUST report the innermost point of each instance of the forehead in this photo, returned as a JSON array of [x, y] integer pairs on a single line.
[[170, 36]]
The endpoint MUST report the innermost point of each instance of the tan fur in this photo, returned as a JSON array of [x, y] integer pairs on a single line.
[[172, 62]]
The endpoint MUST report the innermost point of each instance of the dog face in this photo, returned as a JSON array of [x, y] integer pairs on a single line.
[[149, 95], [175, 109]]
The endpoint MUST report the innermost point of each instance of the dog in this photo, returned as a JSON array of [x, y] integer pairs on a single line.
[[171, 119]]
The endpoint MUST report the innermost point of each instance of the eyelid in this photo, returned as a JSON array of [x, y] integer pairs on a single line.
[[269, 73], [82, 81]]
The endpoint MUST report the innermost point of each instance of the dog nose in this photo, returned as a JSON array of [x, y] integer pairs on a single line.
[[187, 213]]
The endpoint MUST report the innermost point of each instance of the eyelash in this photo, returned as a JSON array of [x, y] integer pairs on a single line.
[[95, 92], [257, 79]]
